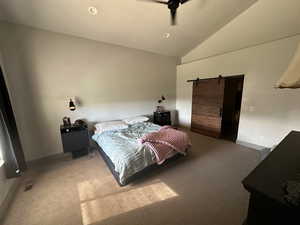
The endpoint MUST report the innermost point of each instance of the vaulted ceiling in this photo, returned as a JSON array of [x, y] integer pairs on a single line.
[[130, 23]]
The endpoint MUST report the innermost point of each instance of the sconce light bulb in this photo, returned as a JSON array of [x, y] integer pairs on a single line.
[[72, 105]]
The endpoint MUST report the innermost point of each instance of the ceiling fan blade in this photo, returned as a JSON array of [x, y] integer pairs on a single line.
[[183, 1], [173, 17], [156, 1]]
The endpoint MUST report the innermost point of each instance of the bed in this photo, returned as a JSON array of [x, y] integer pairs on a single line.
[[124, 154]]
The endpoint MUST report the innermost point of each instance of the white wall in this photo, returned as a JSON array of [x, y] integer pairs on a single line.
[[267, 114], [264, 21], [44, 69]]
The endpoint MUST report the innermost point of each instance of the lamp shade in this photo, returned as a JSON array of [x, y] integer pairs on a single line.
[[291, 77], [72, 105]]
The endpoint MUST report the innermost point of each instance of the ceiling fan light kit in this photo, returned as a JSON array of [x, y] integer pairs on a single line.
[[93, 10]]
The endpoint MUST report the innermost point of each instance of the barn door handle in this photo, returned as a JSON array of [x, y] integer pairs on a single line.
[[221, 112]]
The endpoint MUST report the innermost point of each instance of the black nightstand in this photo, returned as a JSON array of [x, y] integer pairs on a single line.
[[162, 118], [75, 139]]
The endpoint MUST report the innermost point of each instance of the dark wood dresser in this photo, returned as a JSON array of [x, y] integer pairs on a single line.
[[265, 183]]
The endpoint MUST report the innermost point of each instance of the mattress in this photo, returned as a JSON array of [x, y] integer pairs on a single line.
[[125, 151]]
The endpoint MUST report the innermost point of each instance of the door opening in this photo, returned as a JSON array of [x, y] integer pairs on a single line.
[[233, 92]]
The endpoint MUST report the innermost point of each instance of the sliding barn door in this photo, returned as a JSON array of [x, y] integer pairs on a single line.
[[208, 96]]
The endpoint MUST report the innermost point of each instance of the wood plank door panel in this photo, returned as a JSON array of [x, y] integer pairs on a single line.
[[208, 96]]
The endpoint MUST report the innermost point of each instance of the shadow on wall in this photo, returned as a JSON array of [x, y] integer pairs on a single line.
[[45, 69], [40, 115], [270, 117], [25, 102]]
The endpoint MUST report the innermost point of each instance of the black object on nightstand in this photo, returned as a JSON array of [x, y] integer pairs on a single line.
[[162, 118], [75, 139]]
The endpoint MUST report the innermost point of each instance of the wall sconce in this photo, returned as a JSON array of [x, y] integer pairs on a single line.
[[72, 105], [162, 99]]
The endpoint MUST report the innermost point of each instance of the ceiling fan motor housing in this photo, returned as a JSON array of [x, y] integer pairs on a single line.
[[173, 4]]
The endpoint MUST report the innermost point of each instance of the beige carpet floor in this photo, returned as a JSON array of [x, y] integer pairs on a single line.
[[203, 188]]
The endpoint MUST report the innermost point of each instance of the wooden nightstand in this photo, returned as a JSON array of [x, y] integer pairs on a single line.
[[162, 118], [75, 139]]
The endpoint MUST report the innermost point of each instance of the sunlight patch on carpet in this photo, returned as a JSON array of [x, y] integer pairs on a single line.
[[99, 209]]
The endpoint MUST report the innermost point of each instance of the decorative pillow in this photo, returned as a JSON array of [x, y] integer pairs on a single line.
[[110, 125], [137, 119]]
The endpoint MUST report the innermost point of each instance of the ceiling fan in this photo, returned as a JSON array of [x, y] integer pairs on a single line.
[[173, 6]]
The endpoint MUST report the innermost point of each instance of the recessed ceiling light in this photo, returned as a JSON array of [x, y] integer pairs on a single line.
[[93, 10], [167, 35]]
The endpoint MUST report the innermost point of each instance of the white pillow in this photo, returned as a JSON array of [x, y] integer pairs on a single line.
[[110, 125], [137, 119]]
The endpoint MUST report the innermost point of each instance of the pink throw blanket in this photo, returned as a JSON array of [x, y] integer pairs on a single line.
[[165, 141]]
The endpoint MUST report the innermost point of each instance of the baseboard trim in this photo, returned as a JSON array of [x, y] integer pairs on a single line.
[[9, 198], [44, 159], [250, 145]]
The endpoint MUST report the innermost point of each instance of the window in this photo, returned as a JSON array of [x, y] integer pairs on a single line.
[[1, 139], [4, 139]]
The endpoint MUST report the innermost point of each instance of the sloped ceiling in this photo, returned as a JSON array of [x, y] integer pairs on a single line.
[[131, 23], [265, 21]]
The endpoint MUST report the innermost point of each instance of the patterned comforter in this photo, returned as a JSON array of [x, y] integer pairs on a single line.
[[125, 150]]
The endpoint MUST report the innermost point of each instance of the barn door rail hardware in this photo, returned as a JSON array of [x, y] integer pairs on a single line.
[[203, 79]]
